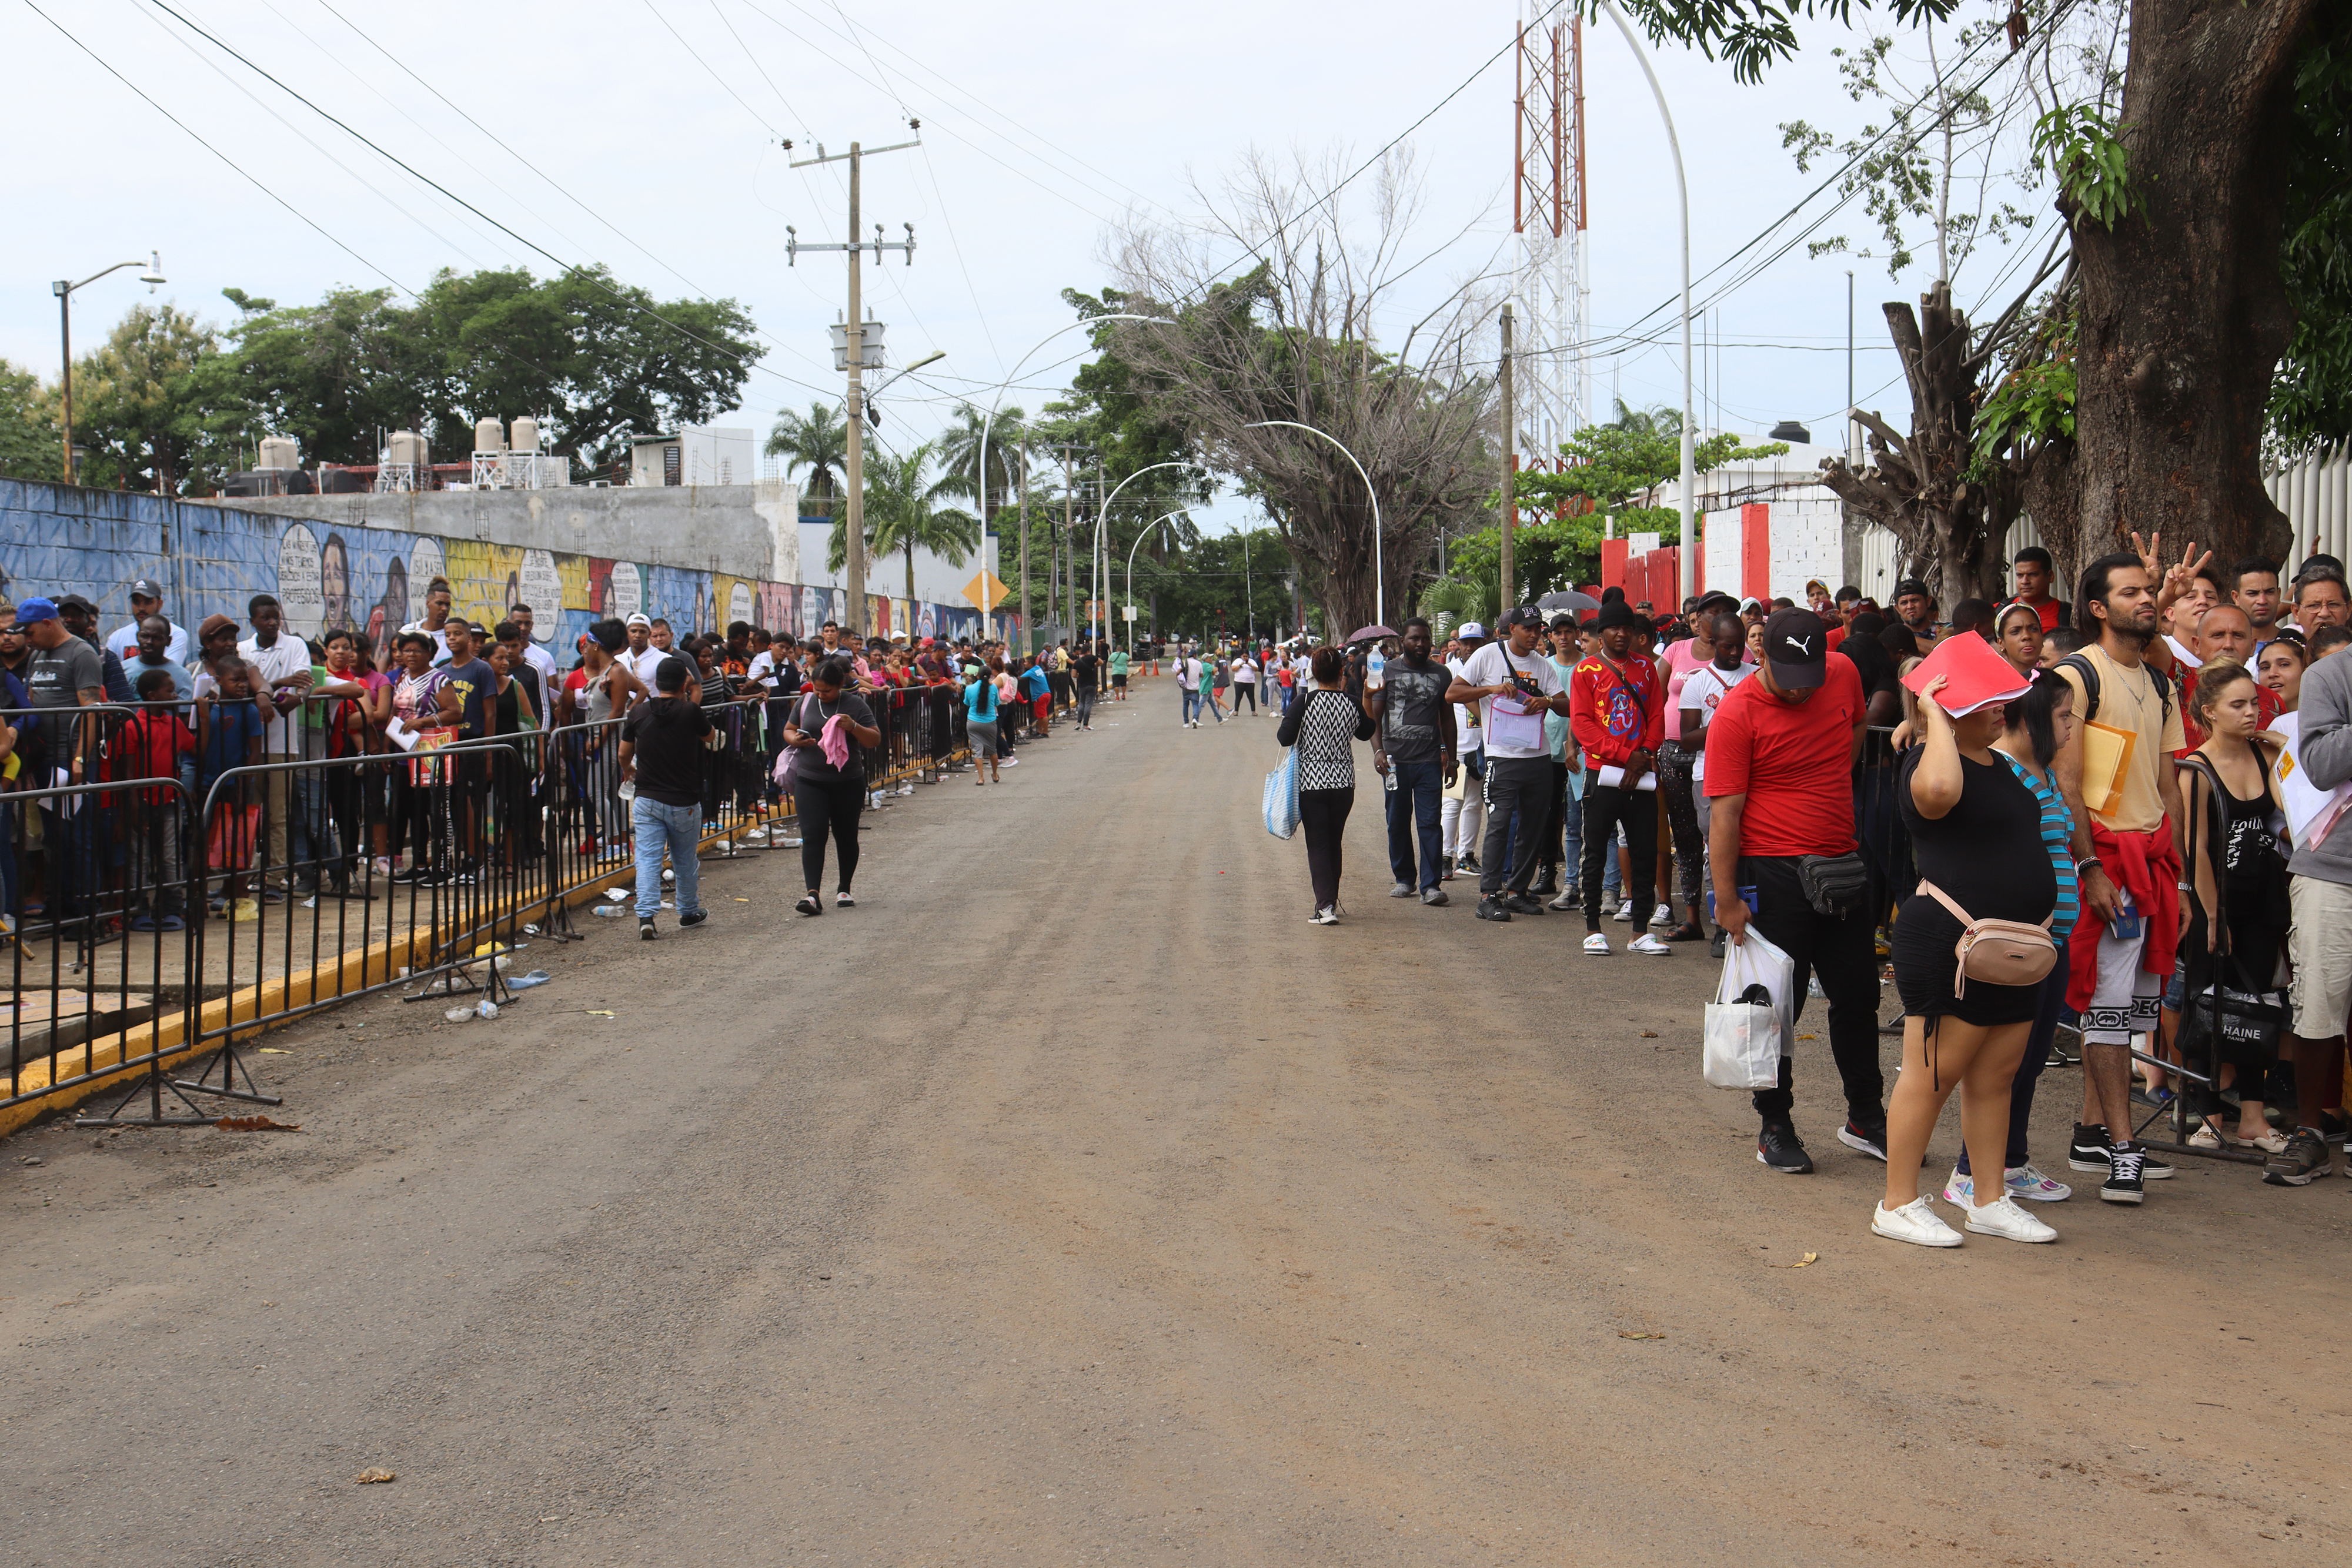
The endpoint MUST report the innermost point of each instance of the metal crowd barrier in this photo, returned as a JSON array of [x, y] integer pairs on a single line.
[[181, 917]]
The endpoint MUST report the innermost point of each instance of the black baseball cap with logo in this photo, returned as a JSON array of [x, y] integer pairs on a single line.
[[1797, 647]]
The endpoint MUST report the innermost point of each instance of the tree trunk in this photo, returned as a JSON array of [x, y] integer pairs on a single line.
[[2184, 313], [2050, 489]]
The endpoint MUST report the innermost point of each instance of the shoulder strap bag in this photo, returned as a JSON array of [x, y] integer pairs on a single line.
[[1996, 951]]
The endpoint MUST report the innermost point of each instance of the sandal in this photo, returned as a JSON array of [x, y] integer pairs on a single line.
[[808, 904]]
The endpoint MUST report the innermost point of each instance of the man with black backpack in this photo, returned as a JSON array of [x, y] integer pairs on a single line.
[[2118, 776]]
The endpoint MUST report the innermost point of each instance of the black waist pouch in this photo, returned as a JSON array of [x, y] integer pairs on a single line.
[[1833, 885]]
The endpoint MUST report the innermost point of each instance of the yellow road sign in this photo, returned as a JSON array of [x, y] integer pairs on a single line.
[[984, 591]]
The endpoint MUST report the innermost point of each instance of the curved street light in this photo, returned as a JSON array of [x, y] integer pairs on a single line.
[[1139, 537], [979, 472], [1379, 574], [1690, 478], [1102, 515]]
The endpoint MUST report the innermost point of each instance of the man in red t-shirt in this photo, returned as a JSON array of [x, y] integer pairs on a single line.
[[2034, 574], [1779, 764]]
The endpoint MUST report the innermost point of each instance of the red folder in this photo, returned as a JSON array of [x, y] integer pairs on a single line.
[[1974, 676]]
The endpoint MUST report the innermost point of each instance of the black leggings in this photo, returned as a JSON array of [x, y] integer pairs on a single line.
[[1323, 813], [828, 808], [1682, 821], [1244, 689]]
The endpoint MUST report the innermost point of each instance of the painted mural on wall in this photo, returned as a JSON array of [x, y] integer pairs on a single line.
[[213, 560]]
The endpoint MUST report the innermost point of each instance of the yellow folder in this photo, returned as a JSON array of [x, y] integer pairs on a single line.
[[2107, 762]]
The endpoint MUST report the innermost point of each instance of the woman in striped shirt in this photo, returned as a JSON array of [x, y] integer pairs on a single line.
[[2034, 727]]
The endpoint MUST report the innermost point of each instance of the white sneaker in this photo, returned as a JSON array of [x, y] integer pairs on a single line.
[[2029, 1184], [1625, 911], [1326, 915], [1597, 944], [1661, 918], [1649, 946], [1962, 1190], [1569, 898], [1916, 1222], [2002, 1217]]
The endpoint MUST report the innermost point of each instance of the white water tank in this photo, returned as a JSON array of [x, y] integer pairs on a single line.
[[488, 435], [525, 435], [405, 446], [279, 452]]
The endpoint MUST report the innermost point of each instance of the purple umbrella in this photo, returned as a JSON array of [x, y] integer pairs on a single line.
[[1369, 633]]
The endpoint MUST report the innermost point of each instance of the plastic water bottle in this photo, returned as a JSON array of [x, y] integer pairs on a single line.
[[611, 911], [486, 1009]]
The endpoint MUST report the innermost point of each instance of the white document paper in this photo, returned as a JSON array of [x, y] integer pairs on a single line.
[[1613, 778], [2310, 810], [399, 734]]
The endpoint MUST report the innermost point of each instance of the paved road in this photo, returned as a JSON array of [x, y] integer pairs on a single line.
[[1074, 1200]]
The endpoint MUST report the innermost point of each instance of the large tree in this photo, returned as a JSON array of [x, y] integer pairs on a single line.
[[594, 359], [139, 408], [1315, 335], [2179, 207], [29, 445]]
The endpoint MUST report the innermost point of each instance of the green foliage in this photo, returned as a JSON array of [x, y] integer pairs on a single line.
[[2086, 150], [1753, 34], [1222, 584], [594, 359], [2034, 401], [29, 446], [818, 444], [140, 406], [2311, 398], [1889, 168]]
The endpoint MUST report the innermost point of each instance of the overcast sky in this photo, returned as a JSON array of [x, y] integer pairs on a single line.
[[1041, 126]]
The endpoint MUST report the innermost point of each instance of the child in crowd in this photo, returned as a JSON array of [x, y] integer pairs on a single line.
[[229, 727]]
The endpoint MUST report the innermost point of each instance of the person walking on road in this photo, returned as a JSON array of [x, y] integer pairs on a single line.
[[1244, 682], [980, 723], [1085, 678], [1120, 660], [1324, 727], [1413, 749], [661, 754], [829, 785], [1780, 763]]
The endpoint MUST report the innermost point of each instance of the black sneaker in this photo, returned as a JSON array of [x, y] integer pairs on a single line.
[[1718, 943], [1779, 1146], [2302, 1162], [645, 931], [696, 918], [2091, 1150], [1492, 908], [2332, 1128], [808, 904], [2123, 1174], [1523, 904], [1869, 1139], [1547, 883]]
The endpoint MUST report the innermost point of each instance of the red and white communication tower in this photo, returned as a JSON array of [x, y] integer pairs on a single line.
[[1554, 382]]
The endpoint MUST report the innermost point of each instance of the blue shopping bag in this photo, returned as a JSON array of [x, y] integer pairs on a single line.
[[1282, 797]]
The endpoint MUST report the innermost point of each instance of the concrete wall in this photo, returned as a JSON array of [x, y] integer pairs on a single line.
[[744, 531]]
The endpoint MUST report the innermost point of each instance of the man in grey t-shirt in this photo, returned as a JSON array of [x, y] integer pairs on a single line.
[[2320, 942], [1412, 747]]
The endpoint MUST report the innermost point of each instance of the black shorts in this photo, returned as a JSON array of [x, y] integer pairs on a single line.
[[1118, 683]]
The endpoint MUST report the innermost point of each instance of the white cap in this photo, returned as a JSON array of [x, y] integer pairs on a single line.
[[641, 618]]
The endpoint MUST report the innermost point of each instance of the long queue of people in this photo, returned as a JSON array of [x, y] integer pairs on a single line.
[[1784, 769], [307, 770]]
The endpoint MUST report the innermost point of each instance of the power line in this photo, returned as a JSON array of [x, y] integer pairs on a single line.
[[390, 157], [706, 64], [789, 111]]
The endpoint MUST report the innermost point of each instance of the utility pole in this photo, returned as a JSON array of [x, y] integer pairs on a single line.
[[854, 570], [1069, 507], [1028, 626], [1509, 594]]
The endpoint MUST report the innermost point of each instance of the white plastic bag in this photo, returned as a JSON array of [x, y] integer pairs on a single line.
[[1281, 801], [1743, 1042]]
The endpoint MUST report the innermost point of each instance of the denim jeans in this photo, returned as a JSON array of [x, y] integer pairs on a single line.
[[1572, 827], [1191, 705], [1413, 809], [677, 829]]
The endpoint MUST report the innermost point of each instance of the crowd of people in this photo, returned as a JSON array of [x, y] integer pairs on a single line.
[[1789, 771], [276, 768]]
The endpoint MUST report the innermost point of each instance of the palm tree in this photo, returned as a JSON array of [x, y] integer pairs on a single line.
[[902, 513], [959, 453], [819, 442]]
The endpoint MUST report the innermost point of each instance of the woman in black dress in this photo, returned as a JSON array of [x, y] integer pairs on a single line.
[[1976, 833]]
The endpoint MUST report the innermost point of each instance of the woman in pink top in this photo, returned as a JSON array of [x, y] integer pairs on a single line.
[[1676, 761]]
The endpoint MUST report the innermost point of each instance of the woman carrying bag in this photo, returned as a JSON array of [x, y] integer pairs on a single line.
[[1325, 725], [829, 784], [1976, 830]]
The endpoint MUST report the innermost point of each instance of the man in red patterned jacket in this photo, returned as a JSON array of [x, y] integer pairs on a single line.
[[1617, 710]]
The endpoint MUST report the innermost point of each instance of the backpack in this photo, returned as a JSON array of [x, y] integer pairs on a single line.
[[2082, 665]]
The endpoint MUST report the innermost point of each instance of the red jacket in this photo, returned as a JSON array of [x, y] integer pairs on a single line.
[[1615, 709]]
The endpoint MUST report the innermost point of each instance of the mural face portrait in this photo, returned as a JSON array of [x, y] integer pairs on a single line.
[[335, 584]]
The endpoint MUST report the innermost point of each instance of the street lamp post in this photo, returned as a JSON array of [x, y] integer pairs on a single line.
[[1682, 187], [64, 290], [980, 473], [1103, 513], [1379, 574], [1137, 545]]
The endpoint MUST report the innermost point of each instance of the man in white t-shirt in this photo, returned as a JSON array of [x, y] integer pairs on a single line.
[[147, 600], [537, 657], [1514, 685], [1702, 692], [641, 656], [1463, 820]]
